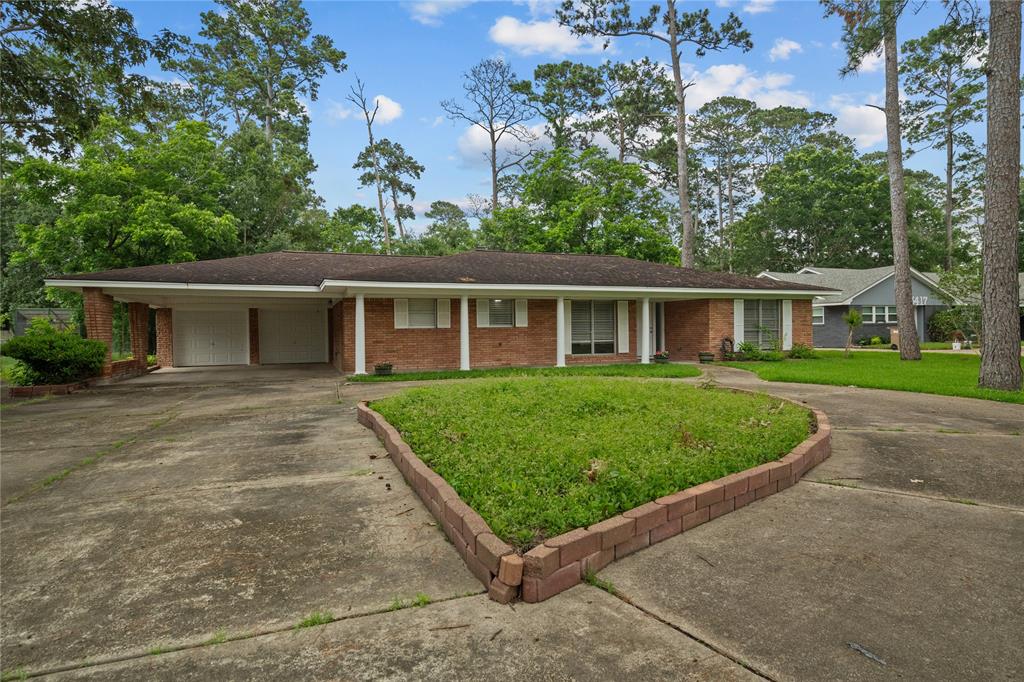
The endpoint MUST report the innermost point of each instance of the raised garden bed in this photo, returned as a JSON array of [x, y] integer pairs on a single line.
[[47, 389], [566, 549]]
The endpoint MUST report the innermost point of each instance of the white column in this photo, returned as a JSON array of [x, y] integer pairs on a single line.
[[464, 333], [360, 336], [560, 332], [645, 331]]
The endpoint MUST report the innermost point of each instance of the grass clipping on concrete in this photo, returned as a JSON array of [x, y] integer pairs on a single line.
[[538, 457]]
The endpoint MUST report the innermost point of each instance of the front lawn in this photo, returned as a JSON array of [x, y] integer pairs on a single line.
[[669, 371], [941, 373], [536, 457]]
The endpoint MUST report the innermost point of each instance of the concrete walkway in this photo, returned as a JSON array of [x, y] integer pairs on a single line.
[[234, 509]]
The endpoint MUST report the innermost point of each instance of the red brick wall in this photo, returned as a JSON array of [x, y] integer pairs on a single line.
[[164, 337], [254, 336], [803, 332], [423, 349], [697, 326], [99, 319]]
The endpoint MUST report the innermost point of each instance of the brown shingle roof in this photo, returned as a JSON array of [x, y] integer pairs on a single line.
[[470, 267]]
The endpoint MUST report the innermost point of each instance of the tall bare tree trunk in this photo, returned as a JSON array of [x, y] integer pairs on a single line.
[[397, 212], [682, 179], [494, 173], [721, 213], [1000, 311], [377, 182], [910, 348], [949, 193]]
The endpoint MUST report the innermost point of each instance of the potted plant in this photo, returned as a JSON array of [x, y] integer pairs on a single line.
[[705, 357], [661, 357], [383, 368], [957, 338]]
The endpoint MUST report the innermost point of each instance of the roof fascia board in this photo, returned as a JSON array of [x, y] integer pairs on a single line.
[[469, 289], [121, 284]]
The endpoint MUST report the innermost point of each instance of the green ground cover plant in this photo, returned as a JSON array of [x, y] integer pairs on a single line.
[[671, 371], [939, 373], [536, 457]]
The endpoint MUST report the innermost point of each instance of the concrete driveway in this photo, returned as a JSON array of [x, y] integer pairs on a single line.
[[238, 502]]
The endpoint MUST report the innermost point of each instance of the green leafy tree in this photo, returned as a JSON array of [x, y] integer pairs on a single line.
[[782, 129], [565, 95], [944, 82], [132, 198], [676, 30], [62, 64], [448, 231], [353, 229], [584, 202], [389, 163], [259, 62], [636, 108], [725, 131]]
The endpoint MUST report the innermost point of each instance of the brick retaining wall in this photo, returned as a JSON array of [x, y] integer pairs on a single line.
[[564, 561]]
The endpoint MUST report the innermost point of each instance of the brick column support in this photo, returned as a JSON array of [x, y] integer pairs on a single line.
[[254, 336], [99, 320], [138, 319], [164, 337]]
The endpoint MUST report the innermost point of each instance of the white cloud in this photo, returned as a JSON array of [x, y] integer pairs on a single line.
[[387, 109], [782, 48], [872, 63], [337, 111], [474, 145], [540, 37], [768, 90], [437, 121], [433, 13], [865, 124], [759, 6]]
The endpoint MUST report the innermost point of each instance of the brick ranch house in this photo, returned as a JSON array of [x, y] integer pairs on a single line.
[[474, 309]]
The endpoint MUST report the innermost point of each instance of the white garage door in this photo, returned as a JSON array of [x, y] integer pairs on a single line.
[[211, 337], [288, 336]]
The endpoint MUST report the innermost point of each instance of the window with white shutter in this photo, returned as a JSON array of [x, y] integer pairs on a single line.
[[762, 322], [501, 312], [422, 312], [593, 327]]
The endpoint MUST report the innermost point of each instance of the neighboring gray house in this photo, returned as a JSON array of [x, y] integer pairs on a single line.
[[873, 291]]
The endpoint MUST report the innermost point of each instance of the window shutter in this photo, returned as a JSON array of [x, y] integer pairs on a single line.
[[568, 326], [737, 321], [521, 306], [787, 324], [401, 313], [444, 313], [623, 321], [483, 313]]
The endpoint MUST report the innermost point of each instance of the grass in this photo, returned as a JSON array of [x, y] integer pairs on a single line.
[[617, 370], [939, 373], [314, 619], [537, 457], [591, 579], [420, 600]]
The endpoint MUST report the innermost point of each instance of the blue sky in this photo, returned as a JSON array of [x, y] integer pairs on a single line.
[[414, 54]]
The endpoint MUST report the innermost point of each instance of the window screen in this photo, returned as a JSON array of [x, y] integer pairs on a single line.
[[593, 327], [762, 322], [422, 312], [501, 312], [818, 315]]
